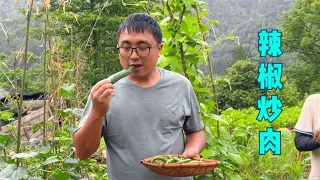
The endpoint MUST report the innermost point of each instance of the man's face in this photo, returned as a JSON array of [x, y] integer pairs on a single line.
[[144, 65]]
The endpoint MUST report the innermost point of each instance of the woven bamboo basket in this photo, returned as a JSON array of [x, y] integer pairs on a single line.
[[181, 169]]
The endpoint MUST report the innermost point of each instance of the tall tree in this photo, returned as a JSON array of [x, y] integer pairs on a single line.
[[243, 89], [239, 53], [301, 36]]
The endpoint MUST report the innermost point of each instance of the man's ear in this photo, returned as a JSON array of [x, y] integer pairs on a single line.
[[160, 46]]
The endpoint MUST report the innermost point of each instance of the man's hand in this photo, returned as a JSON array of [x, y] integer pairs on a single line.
[[191, 152], [101, 95], [196, 142], [317, 135]]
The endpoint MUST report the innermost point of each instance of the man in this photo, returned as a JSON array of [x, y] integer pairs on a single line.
[[308, 133], [144, 114]]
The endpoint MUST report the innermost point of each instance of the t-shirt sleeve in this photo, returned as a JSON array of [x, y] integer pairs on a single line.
[[85, 114], [305, 122], [193, 121]]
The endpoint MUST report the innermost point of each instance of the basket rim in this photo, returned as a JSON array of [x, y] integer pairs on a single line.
[[206, 163]]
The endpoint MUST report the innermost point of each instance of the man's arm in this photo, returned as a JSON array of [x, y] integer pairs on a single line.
[[193, 127], [87, 139], [196, 142], [304, 142]]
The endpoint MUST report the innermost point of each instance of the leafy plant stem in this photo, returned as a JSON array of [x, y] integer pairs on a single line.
[[215, 98]]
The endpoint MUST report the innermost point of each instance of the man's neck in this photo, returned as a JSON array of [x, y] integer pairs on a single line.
[[148, 81]]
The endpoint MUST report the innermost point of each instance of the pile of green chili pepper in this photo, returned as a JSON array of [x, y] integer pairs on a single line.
[[160, 160]]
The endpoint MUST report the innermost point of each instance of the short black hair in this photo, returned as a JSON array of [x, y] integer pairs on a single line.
[[140, 22]]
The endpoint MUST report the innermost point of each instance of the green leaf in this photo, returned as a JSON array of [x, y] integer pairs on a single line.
[[143, 3], [231, 37], [76, 111], [218, 118], [66, 65], [208, 129], [25, 155], [202, 90], [204, 12], [202, 105], [192, 72], [68, 87], [6, 115], [235, 177], [192, 51], [240, 133], [205, 28], [206, 153], [163, 61], [71, 161], [212, 22], [62, 133], [193, 59], [37, 127], [201, 3], [67, 90], [4, 138], [199, 79], [185, 26], [155, 14], [174, 62], [236, 158], [182, 39], [187, 3], [50, 160], [217, 42], [61, 175], [44, 149], [203, 43], [164, 21]]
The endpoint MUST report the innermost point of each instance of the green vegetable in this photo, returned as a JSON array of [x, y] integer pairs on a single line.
[[158, 158], [119, 75], [169, 159], [184, 160]]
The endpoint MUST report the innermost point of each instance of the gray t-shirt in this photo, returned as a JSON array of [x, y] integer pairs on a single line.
[[145, 122]]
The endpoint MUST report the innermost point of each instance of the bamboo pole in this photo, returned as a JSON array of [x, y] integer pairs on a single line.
[[30, 3]]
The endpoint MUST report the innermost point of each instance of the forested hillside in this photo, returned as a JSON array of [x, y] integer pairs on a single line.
[[12, 18], [241, 18], [244, 19]]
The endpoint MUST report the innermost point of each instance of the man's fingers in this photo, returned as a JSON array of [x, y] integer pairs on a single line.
[[99, 84], [107, 93], [197, 156], [190, 156], [317, 135], [99, 91]]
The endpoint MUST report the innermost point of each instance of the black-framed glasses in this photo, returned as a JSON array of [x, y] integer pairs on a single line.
[[141, 51]]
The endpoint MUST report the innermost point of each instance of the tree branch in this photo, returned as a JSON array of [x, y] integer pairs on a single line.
[[169, 10]]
